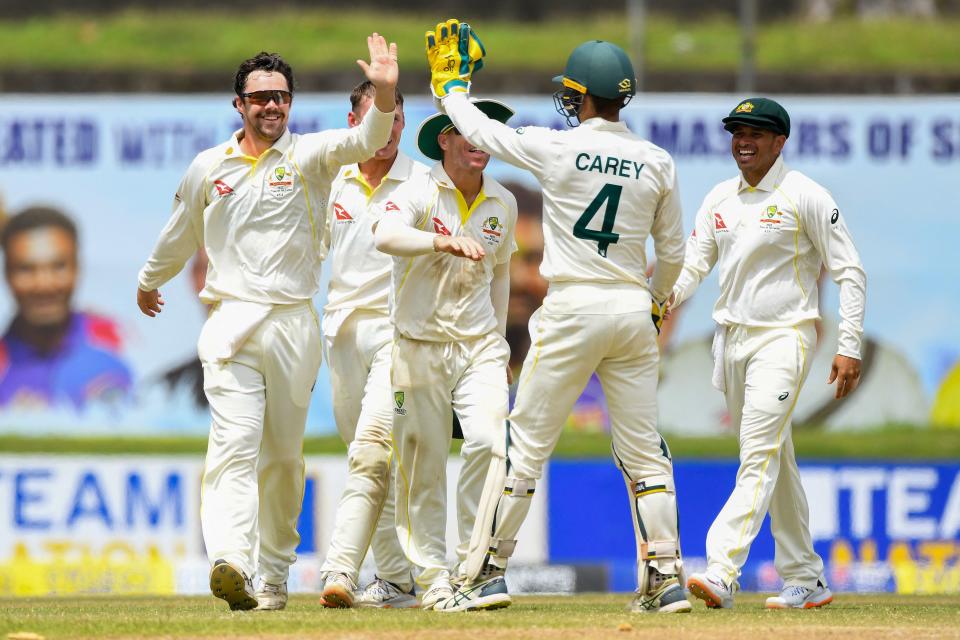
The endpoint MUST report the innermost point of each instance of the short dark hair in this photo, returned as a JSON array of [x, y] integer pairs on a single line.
[[263, 61], [607, 106], [36, 218], [366, 90]]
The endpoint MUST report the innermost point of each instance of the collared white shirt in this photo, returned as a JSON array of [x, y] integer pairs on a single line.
[[359, 274], [260, 219], [605, 191], [439, 297], [770, 241]]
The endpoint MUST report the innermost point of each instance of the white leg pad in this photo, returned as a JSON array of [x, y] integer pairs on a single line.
[[654, 508]]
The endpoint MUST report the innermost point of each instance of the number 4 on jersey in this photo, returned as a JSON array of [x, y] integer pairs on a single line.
[[610, 193]]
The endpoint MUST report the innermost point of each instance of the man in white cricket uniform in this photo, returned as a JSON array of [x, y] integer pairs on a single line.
[[257, 205], [605, 191], [450, 315], [769, 229], [358, 340]]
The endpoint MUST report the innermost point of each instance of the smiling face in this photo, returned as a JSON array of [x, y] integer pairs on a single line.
[[755, 151], [459, 156], [265, 123], [41, 269]]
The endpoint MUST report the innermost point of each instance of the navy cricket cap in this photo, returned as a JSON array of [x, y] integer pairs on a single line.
[[762, 113]]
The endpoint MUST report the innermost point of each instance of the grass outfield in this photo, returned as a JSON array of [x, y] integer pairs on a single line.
[[535, 617], [891, 443], [326, 39]]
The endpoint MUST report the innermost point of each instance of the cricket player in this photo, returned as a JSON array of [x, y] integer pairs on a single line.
[[605, 191], [769, 229], [257, 204], [452, 237], [358, 340]]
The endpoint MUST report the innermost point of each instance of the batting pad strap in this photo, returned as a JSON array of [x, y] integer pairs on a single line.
[[519, 487], [660, 550], [502, 548], [650, 486]]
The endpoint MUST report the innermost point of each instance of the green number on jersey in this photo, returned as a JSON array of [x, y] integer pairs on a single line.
[[605, 237]]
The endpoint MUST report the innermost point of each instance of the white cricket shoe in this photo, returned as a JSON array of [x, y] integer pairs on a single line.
[[668, 597], [487, 594], [231, 584], [711, 590], [272, 597], [382, 594], [338, 591], [797, 597], [439, 592]]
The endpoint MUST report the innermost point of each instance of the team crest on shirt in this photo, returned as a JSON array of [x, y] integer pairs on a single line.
[[398, 403], [492, 230], [280, 181], [771, 218]]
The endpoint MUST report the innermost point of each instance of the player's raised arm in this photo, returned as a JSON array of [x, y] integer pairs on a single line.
[[455, 53]]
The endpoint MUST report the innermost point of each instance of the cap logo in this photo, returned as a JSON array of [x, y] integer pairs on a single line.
[[625, 85], [745, 107], [573, 84]]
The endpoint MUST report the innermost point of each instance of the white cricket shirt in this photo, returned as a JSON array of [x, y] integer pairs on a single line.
[[439, 297], [770, 241], [260, 219], [605, 191], [359, 274]]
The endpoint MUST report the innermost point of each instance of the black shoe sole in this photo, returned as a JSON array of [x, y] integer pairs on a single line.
[[228, 584]]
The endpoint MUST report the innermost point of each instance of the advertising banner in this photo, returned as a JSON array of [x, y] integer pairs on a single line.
[[878, 526], [112, 163]]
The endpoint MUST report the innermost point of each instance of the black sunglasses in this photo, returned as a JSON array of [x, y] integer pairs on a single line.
[[263, 98]]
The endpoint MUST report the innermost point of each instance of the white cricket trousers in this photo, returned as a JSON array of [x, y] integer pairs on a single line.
[[582, 328], [430, 380], [359, 360], [252, 489], [764, 369]]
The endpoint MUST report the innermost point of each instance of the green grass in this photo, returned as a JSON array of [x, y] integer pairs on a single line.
[[894, 442], [543, 618], [325, 39]]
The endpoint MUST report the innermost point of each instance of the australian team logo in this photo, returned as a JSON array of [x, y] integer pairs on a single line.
[[771, 218], [744, 107], [492, 230], [280, 182], [398, 403]]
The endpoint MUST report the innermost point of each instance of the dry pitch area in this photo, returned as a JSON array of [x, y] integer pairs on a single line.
[[539, 618]]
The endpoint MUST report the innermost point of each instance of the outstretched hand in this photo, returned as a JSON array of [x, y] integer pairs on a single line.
[[382, 70], [459, 246]]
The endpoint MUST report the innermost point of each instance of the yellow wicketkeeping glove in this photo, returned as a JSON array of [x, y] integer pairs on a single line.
[[454, 53]]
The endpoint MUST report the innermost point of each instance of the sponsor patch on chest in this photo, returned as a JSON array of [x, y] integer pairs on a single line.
[[280, 181]]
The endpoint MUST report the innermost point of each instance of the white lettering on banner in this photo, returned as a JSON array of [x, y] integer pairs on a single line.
[[861, 482], [908, 494], [819, 485], [950, 524]]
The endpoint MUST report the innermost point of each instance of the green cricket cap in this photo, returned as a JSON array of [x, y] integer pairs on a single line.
[[599, 68], [438, 123], [762, 113]]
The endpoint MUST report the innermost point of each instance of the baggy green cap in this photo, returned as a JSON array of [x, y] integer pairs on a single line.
[[438, 122], [762, 113]]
